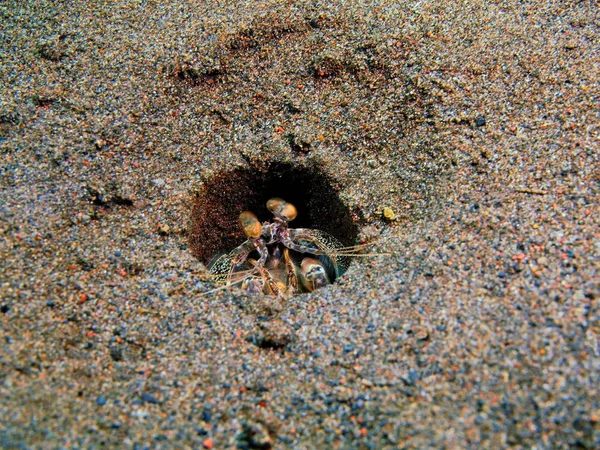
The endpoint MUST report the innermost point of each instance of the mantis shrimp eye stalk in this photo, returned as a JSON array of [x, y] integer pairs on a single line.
[[282, 209], [250, 224]]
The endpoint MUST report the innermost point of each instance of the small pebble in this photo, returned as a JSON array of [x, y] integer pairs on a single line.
[[389, 214], [164, 229], [149, 398], [422, 335]]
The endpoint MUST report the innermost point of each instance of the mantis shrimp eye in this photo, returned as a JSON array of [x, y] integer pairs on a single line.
[[250, 224], [281, 208]]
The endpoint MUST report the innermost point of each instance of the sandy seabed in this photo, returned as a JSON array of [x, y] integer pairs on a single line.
[[132, 133]]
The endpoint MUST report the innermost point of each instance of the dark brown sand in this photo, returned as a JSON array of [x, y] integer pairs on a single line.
[[477, 122]]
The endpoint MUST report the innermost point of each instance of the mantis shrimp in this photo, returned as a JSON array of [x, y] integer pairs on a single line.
[[290, 260]]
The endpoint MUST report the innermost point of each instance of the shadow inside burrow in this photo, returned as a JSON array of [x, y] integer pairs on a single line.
[[214, 227]]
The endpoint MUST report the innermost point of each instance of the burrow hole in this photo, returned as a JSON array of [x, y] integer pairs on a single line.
[[214, 227]]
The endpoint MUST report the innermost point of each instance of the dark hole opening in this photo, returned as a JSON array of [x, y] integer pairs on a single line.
[[214, 227]]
